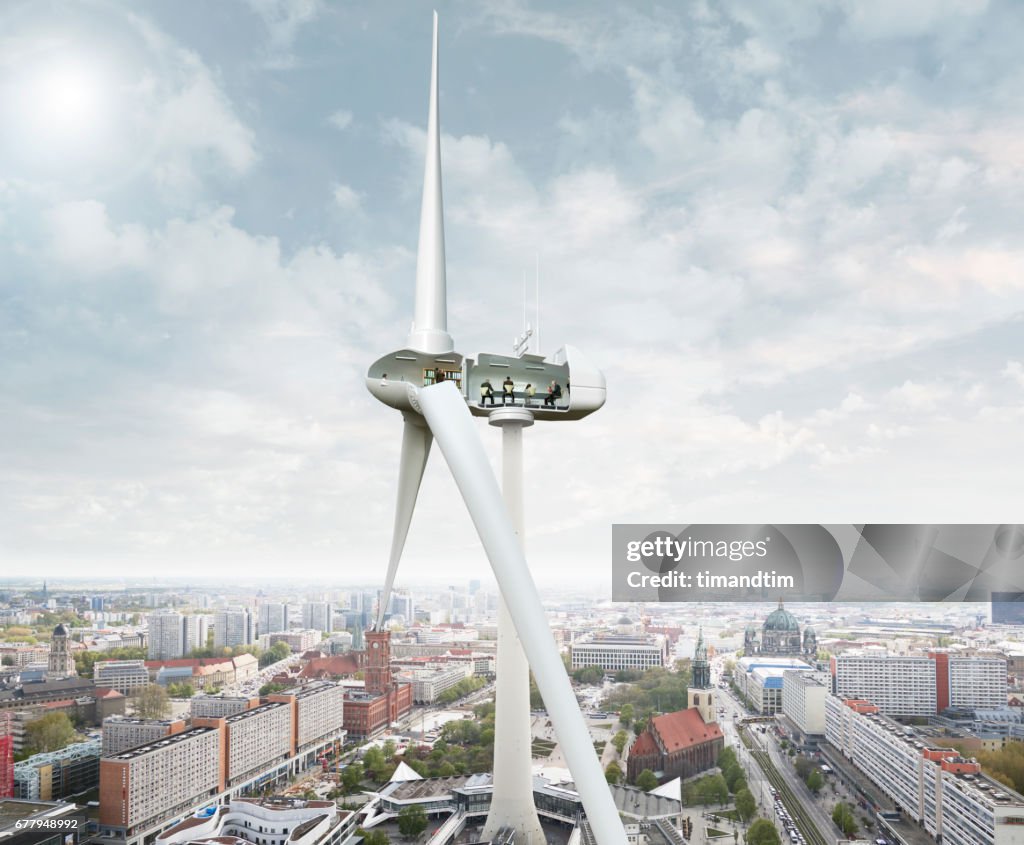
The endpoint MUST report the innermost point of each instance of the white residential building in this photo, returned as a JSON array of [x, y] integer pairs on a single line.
[[166, 638], [946, 793], [803, 702], [233, 627]]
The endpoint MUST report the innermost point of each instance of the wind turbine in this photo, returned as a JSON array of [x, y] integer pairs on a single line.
[[436, 388]]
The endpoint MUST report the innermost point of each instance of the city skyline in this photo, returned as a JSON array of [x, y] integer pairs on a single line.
[[790, 237]]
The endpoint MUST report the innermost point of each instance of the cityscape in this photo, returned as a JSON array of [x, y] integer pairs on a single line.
[[186, 713], [228, 613]]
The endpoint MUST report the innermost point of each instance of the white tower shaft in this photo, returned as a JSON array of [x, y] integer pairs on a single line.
[[512, 797], [430, 323]]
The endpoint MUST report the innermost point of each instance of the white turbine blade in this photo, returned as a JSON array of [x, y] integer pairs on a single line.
[[452, 425], [430, 324], [416, 440]]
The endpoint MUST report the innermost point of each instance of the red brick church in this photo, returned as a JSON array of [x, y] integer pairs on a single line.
[[677, 744], [687, 742]]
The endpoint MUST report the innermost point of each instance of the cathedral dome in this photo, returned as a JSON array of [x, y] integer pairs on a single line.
[[781, 620]]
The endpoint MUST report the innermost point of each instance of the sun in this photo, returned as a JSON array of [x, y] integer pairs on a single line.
[[65, 98]]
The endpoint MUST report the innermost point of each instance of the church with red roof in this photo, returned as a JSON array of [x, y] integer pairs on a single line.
[[679, 744]]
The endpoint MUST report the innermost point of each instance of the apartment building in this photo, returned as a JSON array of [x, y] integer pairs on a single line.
[[944, 792], [119, 733], [166, 638], [219, 706], [143, 786], [920, 685], [803, 704], [233, 627]]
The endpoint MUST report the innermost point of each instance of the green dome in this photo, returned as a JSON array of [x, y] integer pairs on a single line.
[[781, 620]]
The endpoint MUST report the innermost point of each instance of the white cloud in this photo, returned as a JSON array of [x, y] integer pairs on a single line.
[[909, 18], [1014, 370], [346, 198], [341, 119]]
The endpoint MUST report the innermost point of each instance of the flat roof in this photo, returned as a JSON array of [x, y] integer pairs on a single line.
[[163, 742]]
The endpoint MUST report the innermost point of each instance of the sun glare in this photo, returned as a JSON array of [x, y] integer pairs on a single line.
[[66, 98]]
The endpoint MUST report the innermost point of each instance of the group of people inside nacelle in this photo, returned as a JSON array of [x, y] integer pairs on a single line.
[[508, 393]]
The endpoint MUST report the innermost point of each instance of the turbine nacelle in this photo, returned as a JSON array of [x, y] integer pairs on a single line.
[[390, 378]]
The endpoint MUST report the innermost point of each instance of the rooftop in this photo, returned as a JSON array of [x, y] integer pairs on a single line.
[[149, 747]]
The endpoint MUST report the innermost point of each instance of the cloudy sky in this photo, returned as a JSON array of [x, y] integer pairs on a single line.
[[789, 233]]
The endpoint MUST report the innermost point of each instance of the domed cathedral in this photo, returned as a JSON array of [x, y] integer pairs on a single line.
[[780, 635], [61, 663]]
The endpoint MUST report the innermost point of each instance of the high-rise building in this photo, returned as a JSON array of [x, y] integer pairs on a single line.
[[195, 630], [920, 685], [166, 640], [318, 616], [402, 605], [121, 733], [273, 617], [233, 627], [61, 663], [142, 786]]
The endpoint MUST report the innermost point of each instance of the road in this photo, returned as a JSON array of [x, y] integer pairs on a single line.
[[810, 808]]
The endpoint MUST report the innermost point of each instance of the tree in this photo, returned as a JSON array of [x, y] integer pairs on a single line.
[[588, 675], [619, 741], [803, 766], [152, 702], [626, 715], [270, 688], [49, 733], [412, 821], [373, 837], [763, 832], [613, 774], [842, 815], [746, 806], [646, 780], [182, 690], [815, 781], [351, 777], [726, 759], [277, 652]]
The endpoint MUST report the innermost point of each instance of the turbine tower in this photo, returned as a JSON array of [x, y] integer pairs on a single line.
[[436, 389]]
